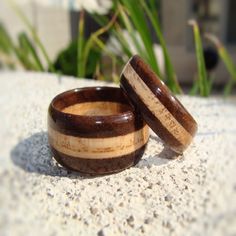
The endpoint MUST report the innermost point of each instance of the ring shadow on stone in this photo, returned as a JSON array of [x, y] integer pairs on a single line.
[[33, 155], [163, 157]]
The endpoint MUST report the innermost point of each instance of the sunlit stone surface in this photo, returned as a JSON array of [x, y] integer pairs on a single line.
[[194, 194]]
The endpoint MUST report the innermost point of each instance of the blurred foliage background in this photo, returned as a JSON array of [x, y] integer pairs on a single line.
[[129, 27]]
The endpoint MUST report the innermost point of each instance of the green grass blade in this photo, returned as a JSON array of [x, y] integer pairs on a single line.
[[224, 55], [7, 49], [202, 73], [33, 33], [138, 18], [227, 60], [171, 79], [133, 34], [28, 47], [115, 31], [94, 40], [210, 83], [80, 57], [154, 5], [23, 56], [121, 39], [195, 88], [103, 47], [101, 19], [6, 44], [228, 88]]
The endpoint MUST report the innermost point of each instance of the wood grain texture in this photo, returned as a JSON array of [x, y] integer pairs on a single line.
[[155, 106], [159, 107], [162, 92], [98, 148], [89, 127], [99, 166], [93, 126]]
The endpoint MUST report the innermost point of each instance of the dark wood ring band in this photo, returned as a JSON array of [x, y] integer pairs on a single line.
[[159, 107], [108, 126], [100, 166], [90, 141]]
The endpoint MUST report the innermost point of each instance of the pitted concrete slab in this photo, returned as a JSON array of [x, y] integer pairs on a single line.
[[192, 194]]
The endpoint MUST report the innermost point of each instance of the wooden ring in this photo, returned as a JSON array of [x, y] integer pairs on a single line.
[[95, 130], [162, 111]]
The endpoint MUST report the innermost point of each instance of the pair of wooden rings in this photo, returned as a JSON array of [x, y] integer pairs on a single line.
[[101, 130]]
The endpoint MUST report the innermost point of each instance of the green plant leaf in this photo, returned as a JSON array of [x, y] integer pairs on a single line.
[[133, 34], [154, 6], [227, 60], [229, 87], [211, 80], [202, 73], [7, 49], [195, 88], [66, 61], [80, 55], [137, 16], [94, 40], [123, 42], [33, 32], [6, 44], [115, 31], [22, 56], [171, 79], [29, 49]]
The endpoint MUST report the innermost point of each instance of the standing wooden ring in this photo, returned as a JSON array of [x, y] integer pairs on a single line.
[[162, 111], [94, 130]]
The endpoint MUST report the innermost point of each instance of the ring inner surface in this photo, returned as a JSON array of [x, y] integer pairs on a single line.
[[96, 108], [92, 102]]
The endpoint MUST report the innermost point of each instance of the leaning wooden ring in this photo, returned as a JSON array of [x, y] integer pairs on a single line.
[[94, 130], [159, 107]]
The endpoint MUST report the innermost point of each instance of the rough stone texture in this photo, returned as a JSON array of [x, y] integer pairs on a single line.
[[194, 194]]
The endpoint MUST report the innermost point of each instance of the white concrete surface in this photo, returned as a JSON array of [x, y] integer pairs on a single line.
[[194, 194]]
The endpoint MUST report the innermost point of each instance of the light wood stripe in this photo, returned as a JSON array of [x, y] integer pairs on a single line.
[[98, 148], [155, 106]]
